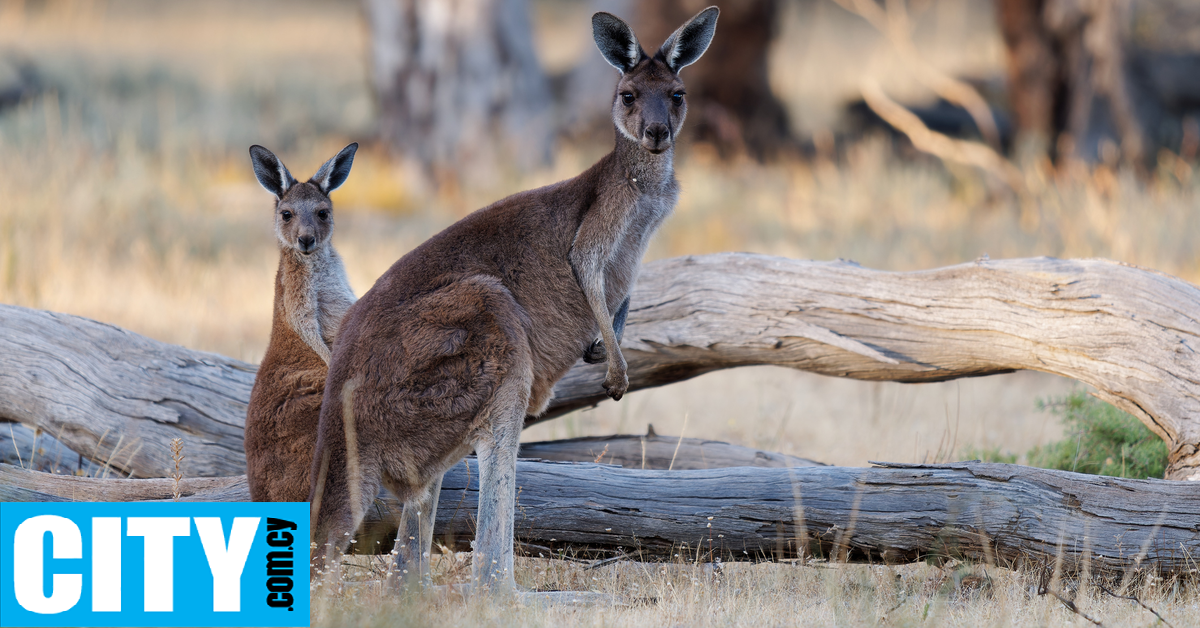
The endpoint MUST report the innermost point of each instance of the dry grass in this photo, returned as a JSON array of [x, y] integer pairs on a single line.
[[126, 196], [769, 594]]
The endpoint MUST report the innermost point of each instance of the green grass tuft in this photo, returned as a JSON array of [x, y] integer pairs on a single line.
[[1100, 439]]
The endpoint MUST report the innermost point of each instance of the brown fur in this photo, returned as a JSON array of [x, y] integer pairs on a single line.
[[311, 297], [466, 334]]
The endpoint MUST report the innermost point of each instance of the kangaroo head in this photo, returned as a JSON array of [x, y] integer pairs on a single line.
[[303, 211], [650, 102]]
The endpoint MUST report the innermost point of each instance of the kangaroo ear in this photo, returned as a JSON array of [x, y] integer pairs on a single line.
[[685, 45], [616, 41], [270, 172], [332, 174]]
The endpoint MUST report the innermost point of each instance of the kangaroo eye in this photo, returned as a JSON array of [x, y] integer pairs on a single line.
[[627, 98], [677, 98], [323, 215], [286, 215]]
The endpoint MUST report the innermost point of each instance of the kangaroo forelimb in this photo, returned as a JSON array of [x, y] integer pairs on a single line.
[[591, 281], [595, 354]]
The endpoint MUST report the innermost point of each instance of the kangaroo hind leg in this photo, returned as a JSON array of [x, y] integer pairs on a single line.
[[414, 537], [346, 478], [492, 563]]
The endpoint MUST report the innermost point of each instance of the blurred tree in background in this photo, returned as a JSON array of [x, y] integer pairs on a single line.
[[1068, 77], [458, 83], [460, 87], [1080, 86], [1034, 79]]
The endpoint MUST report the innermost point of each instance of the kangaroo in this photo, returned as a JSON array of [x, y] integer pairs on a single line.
[[468, 332], [311, 297]]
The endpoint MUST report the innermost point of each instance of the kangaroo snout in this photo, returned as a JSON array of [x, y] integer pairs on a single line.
[[307, 244], [657, 137]]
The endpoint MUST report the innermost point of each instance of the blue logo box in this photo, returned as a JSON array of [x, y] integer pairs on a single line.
[[154, 564]]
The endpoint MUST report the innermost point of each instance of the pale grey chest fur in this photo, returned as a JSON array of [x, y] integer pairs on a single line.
[[333, 295], [316, 297], [648, 213]]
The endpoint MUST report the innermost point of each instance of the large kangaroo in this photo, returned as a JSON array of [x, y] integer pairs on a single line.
[[311, 297], [466, 334]]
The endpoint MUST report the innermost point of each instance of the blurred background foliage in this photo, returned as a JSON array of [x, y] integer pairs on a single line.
[[126, 193], [1101, 439], [1097, 439]]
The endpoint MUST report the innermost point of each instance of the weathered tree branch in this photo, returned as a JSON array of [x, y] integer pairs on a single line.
[[1001, 514], [1129, 332], [118, 397]]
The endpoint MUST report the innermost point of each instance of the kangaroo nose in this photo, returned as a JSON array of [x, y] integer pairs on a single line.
[[306, 243], [658, 132]]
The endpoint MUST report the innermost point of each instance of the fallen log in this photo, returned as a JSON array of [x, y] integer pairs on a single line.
[[653, 451], [23, 485], [1129, 332], [119, 398], [1002, 514]]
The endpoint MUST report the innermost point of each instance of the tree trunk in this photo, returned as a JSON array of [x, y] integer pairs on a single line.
[[1069, 74], [1099, 102], [1129, 332], [1001, 514], [729, 90], [1035, 82], [459, 85]]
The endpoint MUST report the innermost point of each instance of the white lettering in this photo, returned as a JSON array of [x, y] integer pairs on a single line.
[[65, 542], [160, 533], [106, 564], [226, 563]]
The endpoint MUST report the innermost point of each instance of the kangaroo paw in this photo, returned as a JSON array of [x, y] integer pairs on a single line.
[[595, 354], [616, 384]]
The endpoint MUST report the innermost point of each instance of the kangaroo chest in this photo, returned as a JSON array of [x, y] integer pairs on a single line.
[[647, 214], [315, 296]]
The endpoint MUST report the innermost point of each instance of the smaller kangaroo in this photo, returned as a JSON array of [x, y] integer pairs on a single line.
[[311, 297]]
